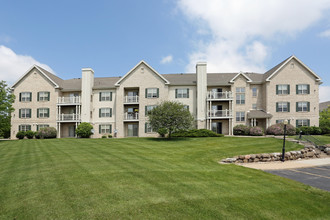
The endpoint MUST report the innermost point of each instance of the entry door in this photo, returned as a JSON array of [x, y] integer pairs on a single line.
[[217, 127], [132, 130], [72, 131]]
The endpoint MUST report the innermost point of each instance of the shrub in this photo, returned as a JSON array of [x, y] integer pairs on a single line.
[[278, 129], [109, 136], [256, 131], [196, 133], [162, 132], [310, 130], [20, 134], [84, 130], [46, 133], [30, 134], [241, 130], [104, 136]]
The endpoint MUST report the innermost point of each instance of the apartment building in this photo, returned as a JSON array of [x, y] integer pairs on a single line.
[[120, 105]]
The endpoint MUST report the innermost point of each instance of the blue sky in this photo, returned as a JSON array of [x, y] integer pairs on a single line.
[[113, 36]]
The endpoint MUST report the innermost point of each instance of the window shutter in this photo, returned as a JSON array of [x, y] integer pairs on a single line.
[[110, 98], [176, 93], [99, 113], [146, 110], [110, 112], [308, 106], [110, 128], [37, 127], [37, 113], [296, 123], [277, 121], [276, 89], [19, 113], [188, 93], [30, 112], [157, 93], [99, 129], [296, 106], [308, 89], [146, 93], [288, 106], [276, 106], [308, 122], [47, 112], [288, 89], [48, 96], [38, 96], [296, 89], [145, 128], [19, 127], [30, 96], [100, 96], [20, 96]]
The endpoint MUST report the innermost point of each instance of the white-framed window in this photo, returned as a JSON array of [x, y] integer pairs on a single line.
[[302, 122], [105, 129], [283, 89], [182, 93], [42, 112], [43, 96], [282, 107], [254, 92], [302, 106], [152, 93], [105, 112], [302, 89], [105, 96], [240, 116], [254, 106], [240, 95], [148, 108], [148, 128], [25, 113], [25, 97], [39, 126], [24, 127]]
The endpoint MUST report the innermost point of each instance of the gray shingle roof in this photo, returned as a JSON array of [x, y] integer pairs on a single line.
[[258, 114], [272, 70], [56, 79]]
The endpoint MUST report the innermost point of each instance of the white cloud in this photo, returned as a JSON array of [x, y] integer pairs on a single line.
[[325, 34], [167, 59], [324, 93], [240, 30], [13, 66]]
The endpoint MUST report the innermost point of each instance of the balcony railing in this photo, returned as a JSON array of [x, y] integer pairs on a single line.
[[68, 117], [220, 95], [128, 116], [69, 100], [131, 99], [220, 113]]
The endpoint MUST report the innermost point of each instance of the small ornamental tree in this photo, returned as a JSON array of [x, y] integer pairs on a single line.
[[241, 130], [84, 130], [6, 101], [278, 129], [45, 133], [325, 121], [171, 116]]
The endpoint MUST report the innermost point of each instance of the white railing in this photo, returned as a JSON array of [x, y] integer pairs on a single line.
[[220, 113], [68, 117], [131, 116], [68, 100], [220, 95], [131, 99]]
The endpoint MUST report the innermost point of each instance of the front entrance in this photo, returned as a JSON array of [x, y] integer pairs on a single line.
[[217, 127], [132, 130], [72, 131]]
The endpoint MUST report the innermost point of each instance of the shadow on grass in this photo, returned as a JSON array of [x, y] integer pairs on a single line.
[[173, 139]]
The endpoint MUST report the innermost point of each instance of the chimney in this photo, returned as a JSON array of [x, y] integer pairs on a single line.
[[201, 94], [86, 94]]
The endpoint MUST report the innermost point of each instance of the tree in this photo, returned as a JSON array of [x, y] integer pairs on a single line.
[[325, 120], [84, 130], [171, 116], [6, 101]]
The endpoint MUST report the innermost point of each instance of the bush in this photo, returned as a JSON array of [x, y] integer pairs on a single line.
[[30, 134], [162, 132], [196, 133], [256, 131], [278, 129], [84, 130], [310, 130], [104, 136], [20, 134], [46, 133], [109, 136], [241, 130]]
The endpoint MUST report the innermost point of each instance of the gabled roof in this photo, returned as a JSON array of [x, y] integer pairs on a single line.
[[240, 73], [141, 62], [56, 81], [268, 75]]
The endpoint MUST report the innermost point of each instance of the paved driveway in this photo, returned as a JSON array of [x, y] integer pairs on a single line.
[[318, 176]]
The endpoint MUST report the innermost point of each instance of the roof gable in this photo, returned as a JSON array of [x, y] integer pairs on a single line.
[[132, 70], [237, 75]]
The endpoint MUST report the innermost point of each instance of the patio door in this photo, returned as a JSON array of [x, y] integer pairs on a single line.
[[72, 131], [132, 130], [217, 127]]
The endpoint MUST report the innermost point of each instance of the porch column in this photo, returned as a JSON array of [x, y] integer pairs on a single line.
[[59, 130]]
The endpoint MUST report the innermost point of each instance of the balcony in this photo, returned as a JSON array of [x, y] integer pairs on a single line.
[[219, 95], [74, 100], [68, 117], [130, 116], [218, 114], [131, 99]]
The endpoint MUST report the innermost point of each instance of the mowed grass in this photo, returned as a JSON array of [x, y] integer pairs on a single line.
[[141, 178]]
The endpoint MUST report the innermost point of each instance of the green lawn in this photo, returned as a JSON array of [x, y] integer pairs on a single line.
[[143, 178]]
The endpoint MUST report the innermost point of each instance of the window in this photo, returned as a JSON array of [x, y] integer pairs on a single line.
[[282, 106], [148, 128], [186, 107], [149, 108], [302, 106], [25, 113], [105, 112], [182, 93], [43, 96], [254, 106], [152, 93], [279, 121], [302, 122], [105, 96], [240, 116], [282, 89], [302, 89], [24, 127], [104, 129], [42, 112], [240, 95], [42, 126], [25, 97], [254, 92]]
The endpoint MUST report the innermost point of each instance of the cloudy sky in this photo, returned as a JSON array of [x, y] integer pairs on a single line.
[[112, 36]]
